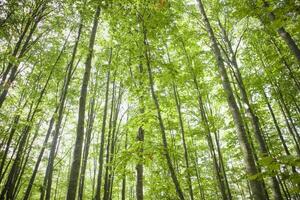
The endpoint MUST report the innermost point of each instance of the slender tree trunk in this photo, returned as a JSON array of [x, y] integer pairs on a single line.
[[113, 143], [8, 143], [37, 164], [203, 115], [285, 36], [139, 166], [297, 145], [221, 183], [186, 155], [9, 187], [283, 110], [220, 156], [140, 138], [285, 147], [256, 185], [75, 168], [286, 64], [288, 115], [25, 159], [222, 167], [202, 195], [161, 124], [86, 147], [19, 51], [109, 141], [123, 191], [56, 185], [61, 106], [101, 152], [249, 111], [219, 177]]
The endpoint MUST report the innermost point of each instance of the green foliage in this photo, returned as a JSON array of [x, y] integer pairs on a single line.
[[168, 37]]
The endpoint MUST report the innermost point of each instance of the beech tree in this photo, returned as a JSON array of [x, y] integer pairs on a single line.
[[149, 99]]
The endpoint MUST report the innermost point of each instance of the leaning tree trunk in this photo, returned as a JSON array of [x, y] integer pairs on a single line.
[[283, 142], [19, 50], [203, 115], [75, 167], [256, 185], [10, 138], [37, 164], [286, 64], [161, 124], [9, 187], [186, 155], [86, 149], [61, 107], [25, 160], [254, 120]]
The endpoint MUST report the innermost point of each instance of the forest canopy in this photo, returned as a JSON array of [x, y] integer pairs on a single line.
[[149, 99]]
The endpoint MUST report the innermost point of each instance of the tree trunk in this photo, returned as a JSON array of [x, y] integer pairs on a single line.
[[202, 195], [256, 185], [86, 149], [11, 134], [123, 191], [287, 38], [249, 110], [61, 106], [101, 152], [161, 124], [75, 167], [113, 143], [9, 187], [139, 166], [25, 159], [37, 15], [285, 147], [290, 42], [109, 142], [286, 64], [37, 164], [186, 155], [140, 138]]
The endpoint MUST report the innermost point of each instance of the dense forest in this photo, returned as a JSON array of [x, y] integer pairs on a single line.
[[149, 99]]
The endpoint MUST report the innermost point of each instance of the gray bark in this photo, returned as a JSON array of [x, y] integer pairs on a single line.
[[256, 185], [77, 154]]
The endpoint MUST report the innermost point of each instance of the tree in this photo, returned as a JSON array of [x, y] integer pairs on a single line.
[[161, 102]]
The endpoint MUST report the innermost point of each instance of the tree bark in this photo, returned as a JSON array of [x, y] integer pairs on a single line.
[[249, 110], [86, 149], [186, 154], [109, 142], [37, 164], [61, 106], [123, 191], [20, 49], [75, 167], [161, 124], [286, 36], [101, 152], [139, 167], [285, 147], [256, 185], [140, 138]]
